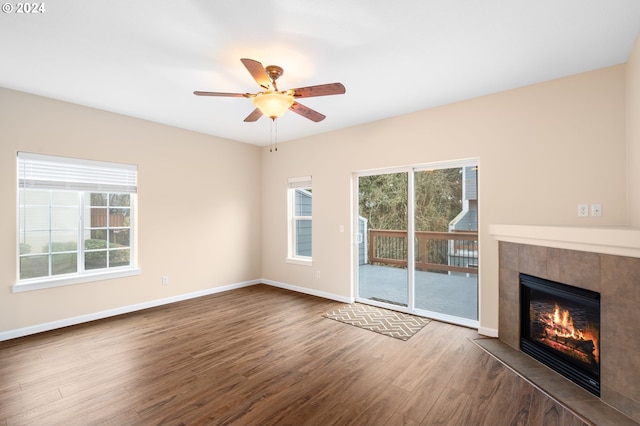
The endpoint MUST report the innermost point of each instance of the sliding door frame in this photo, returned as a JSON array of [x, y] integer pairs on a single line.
[[356, 238]]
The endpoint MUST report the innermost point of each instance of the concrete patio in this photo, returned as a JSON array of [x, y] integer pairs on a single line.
[[453, 295]]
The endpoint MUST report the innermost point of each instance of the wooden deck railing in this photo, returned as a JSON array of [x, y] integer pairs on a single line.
[[434, 251]]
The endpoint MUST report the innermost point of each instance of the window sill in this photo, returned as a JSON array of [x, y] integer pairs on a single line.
[[49, 282], [300, 261]]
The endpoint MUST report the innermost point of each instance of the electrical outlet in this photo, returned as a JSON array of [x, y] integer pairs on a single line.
[[596, 210], [583, 210], [317, 275], [165, 280]]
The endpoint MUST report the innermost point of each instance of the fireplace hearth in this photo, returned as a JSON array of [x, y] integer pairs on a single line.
[[560, 327]]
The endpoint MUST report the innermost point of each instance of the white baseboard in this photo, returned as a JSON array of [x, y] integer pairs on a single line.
[[309, 291], [39, 328], [489, 332], [48, 326]]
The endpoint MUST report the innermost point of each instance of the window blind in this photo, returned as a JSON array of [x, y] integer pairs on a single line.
[[49, 172], [300, 182]]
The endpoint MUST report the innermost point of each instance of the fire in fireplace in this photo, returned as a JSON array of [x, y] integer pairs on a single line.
[[560, 327]]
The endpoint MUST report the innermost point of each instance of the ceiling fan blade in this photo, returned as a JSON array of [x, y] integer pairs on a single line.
[[254, 116], [258, 73], [307, 112], [229, 95], [320, 90]]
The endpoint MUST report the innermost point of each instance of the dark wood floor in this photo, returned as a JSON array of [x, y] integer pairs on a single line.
[[259, 356]]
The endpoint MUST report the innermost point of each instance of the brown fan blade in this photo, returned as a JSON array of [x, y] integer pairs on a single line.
[[229, 95], [307, 112], [254, 116], [320, 90], [258, 73]]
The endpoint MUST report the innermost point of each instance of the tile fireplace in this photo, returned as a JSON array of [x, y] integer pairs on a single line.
[[595, 263]]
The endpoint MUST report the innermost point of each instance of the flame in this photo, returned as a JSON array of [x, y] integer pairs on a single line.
[[560, 324]]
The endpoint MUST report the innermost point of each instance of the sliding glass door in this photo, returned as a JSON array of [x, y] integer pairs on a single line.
[[446, 236], [417, 240], [382, 249]]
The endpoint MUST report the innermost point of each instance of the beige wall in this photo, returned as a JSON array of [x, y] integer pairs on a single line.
[[199, 206], [543, 149], [633, 128]]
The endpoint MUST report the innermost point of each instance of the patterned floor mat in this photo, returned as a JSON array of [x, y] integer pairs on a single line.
[[390, 323]]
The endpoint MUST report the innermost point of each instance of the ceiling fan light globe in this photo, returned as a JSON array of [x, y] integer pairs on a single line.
[[273, 104]]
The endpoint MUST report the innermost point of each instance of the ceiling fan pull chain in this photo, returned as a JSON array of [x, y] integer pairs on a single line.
[[273, 135]]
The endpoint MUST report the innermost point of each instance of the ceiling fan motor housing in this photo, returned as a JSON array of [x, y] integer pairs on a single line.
[[274, 72]]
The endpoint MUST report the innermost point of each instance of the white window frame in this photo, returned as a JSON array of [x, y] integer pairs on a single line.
[[302, 182], [51, 173]]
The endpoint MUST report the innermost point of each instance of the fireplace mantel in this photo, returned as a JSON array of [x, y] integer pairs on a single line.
[[614, 240]]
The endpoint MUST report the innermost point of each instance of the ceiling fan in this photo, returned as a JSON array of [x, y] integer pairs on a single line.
[[272, 102]]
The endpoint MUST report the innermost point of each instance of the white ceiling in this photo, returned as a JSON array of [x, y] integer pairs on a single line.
[[144, 58]]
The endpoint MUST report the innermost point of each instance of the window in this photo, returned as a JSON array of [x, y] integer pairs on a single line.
[[300, 207], [75, 221]]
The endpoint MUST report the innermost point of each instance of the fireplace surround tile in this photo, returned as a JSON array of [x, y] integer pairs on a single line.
[[508, 255], [580, 269], [620, 372], [621, 402], [621, 345], [553, 264], [621, 288], [533, 260], [509, 308]]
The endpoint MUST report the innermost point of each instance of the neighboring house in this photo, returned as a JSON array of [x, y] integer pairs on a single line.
[[467, 219], [463, 253]]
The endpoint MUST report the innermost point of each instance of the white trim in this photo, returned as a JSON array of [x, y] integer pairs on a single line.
[[383, 171], [435, 165], [489, 332], [309, 291], [356, 240], [39, 328], [614, 240], [304, 261], [451, 319], [411, 230], [299, 182], [452, 164], [50, 282]]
